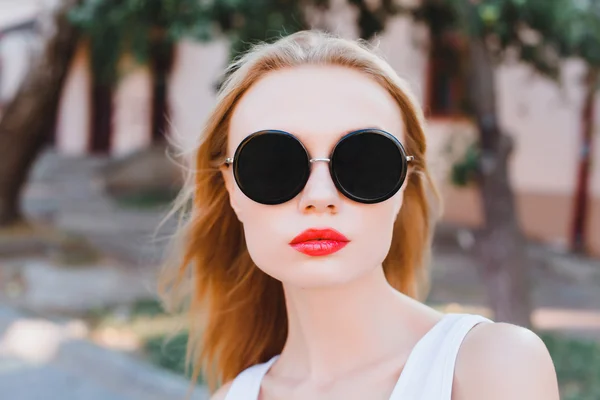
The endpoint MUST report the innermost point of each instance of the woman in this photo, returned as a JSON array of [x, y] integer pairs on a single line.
[[308, 237]]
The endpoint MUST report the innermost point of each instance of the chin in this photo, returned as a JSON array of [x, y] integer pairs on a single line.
[[319, 274]]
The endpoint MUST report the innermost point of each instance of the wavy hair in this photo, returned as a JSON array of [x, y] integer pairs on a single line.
[[236, 312]]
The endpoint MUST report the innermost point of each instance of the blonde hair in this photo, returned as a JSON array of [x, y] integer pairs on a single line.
[[237, 314]]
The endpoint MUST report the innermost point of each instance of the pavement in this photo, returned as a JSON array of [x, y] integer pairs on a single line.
[[47, 287], [45, 360]]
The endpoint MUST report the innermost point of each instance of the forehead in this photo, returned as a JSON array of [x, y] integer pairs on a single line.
[[318, 104]]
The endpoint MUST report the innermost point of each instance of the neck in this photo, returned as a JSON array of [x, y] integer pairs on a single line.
[[335, 330]]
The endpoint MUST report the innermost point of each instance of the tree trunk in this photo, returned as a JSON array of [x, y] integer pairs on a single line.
[[578, 239], [30, 117], [501, 244], [161, 62]]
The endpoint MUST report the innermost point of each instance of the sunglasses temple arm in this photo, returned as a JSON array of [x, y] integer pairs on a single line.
[[410, 158]]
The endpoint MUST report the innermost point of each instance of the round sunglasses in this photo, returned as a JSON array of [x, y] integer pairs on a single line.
[[367, 166]]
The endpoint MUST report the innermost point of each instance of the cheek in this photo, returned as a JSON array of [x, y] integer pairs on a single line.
[[376, 231], [266, 230]]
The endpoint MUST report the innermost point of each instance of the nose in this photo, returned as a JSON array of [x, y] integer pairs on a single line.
[[320, 194]]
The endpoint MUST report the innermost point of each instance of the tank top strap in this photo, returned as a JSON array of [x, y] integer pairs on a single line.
[[246, 386], [429, 371]]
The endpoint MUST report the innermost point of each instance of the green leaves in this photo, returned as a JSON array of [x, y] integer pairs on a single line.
[[118, 27], [577, 365], [584, 32], [465, 170], [543, 32], [246, 22], [489, 13]]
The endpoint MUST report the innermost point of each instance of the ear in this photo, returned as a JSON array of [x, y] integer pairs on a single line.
[[230, 186]]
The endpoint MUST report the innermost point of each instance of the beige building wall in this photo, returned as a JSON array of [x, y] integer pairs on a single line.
[[192, 87], [132, 105], [73, 122]]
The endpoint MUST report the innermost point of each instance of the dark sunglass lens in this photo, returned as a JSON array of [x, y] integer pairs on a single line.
[[369, 166], [271, 167]]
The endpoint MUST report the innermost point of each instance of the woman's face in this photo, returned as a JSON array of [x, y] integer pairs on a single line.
[[318, 105]]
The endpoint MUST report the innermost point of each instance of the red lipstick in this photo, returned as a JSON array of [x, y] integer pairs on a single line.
[[319, 242]]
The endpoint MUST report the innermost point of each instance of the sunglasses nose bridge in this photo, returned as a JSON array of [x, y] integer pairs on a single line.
[[314, 160], [319, 193]]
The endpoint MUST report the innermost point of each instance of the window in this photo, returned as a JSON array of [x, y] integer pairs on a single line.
[[447, 79]]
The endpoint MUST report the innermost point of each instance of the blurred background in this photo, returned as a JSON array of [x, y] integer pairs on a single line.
[[92, 92]]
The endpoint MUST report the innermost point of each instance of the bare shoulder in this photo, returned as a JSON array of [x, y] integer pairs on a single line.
[[221, 393], [504, 361]]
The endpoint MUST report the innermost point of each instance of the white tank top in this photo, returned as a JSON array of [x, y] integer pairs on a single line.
[[427, 374]]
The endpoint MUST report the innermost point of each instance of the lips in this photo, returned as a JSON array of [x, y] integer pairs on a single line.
[[319, 242]]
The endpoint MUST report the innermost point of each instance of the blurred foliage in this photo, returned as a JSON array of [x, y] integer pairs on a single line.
[[372, 17], [147, 199], [577, 364], [542, 32], [118, 27], [535, 28], [147, 307], [579, 31], [169, 353], [248, 22], [464, 171]]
